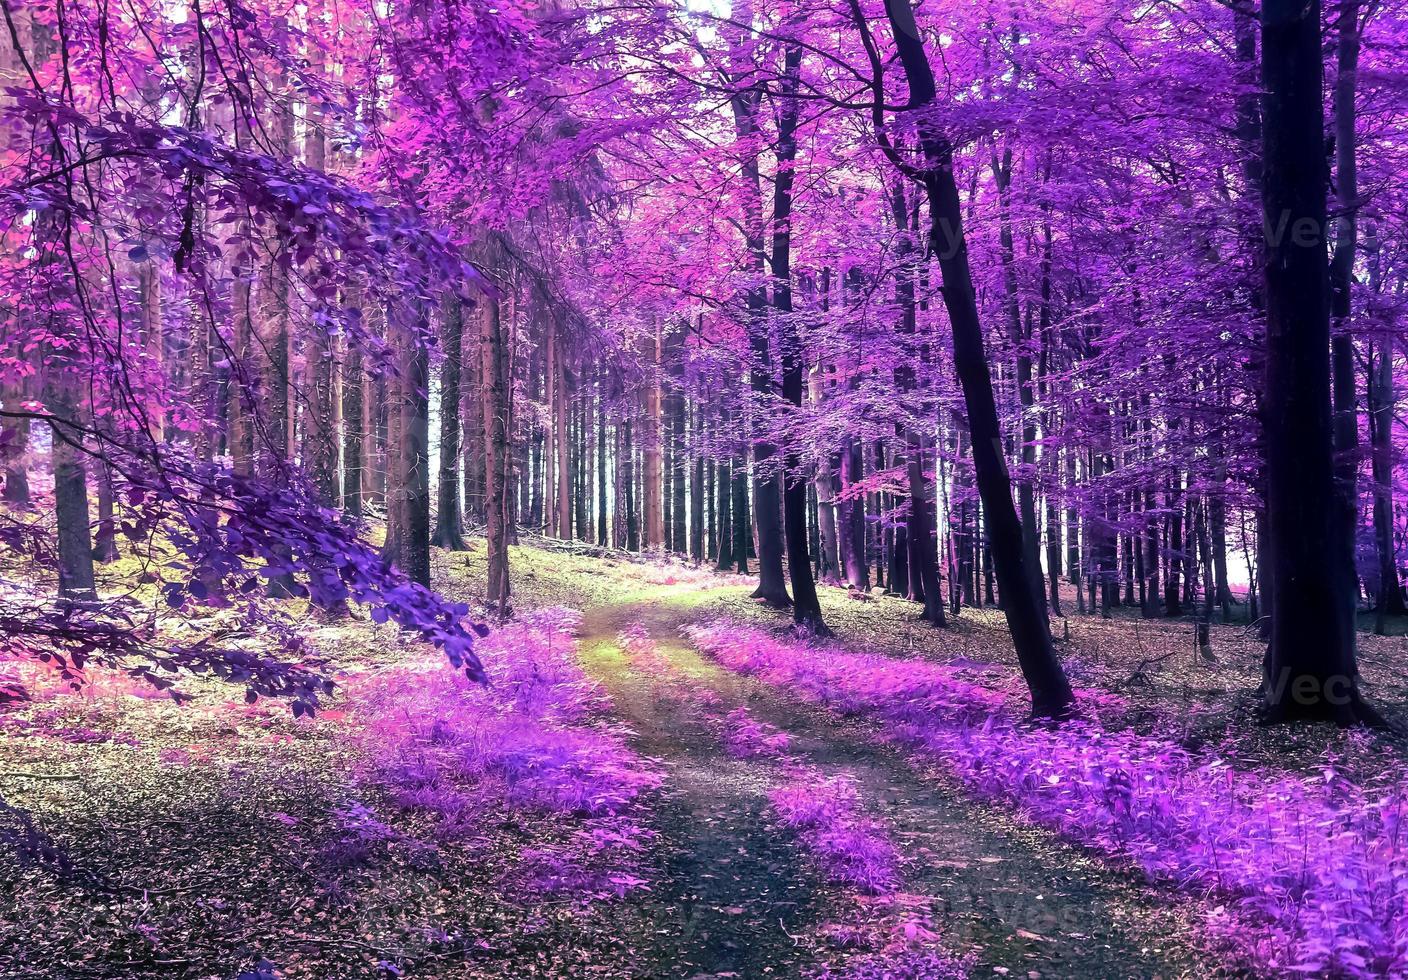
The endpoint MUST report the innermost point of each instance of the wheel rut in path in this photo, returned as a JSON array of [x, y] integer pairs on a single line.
[[735, 890]]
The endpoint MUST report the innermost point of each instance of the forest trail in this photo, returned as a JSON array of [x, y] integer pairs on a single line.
[[737, 895]]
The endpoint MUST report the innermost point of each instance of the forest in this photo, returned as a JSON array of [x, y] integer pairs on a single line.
[[819, 489]]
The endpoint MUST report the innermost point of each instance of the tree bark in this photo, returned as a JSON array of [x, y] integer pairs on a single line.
[[698, 492], [653, 476], [1345, 426], [1026, 615], [772, 587], [494, 415], [355, 417], [1390, 598], [1311, 670], [601, 521], [14, 437], [409, 549], [449, 524], [105, 539], [806, 606]]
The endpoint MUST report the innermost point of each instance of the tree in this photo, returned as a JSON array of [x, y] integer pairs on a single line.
[[1311, 669], [1026, 619], [449, 524]]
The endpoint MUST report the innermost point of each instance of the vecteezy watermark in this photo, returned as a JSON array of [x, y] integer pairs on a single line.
[[1212, 230], [1336, 690]]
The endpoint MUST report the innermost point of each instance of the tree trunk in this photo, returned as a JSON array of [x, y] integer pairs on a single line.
[[850, 514], [806, 607], [742, 522], [653, 447], [772, 587], [494, 414], [723, 477], [1345, 426], [14, 438], [698, 492], [628, 483], [562, 521], [1390, 599], [1026, 615], [679, 459], [105, 540], [71, 519], [1310, 666], [355, 417], [449, 524], [408, 545], [601, 521]]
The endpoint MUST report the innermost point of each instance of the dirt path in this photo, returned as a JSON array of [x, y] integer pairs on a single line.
[[735, 891]]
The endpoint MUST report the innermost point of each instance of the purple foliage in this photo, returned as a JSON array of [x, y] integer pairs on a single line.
[[1312, 867], [232, 532], [747, 738], [533, 739], [851, 846], [906, 964]]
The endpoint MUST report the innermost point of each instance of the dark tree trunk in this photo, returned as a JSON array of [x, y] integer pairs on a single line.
[[1026, 614], [698, 491], [71, 519], [1048, 454], [1389, 596], [923, 545], [1204, 627], [601, 537], [105, 540], [1020, 331], [850, 516], [679, 459], [1217, 530], [772, 586], [723, 481], [806, 607], [494, 431], [409, 546], [667, 456], [828, 540], [1345, 424], [472, 438], [1311, 666], [561, 401], [626, 466], [1173, 503], [14, 438], [449, 525], [584, 475], [711, 519], [742, 522], [320, 430], [920, 549], [355, 421]]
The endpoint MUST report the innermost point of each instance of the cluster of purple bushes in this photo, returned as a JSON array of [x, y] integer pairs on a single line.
[[745, 737], [534, 739], [1312, 871], [918, 964], [829, 817]]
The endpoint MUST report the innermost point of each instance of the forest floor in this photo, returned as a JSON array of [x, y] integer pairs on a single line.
[[190, 842]]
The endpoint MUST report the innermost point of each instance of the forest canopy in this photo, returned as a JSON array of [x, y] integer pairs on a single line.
[[1048, 313]]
